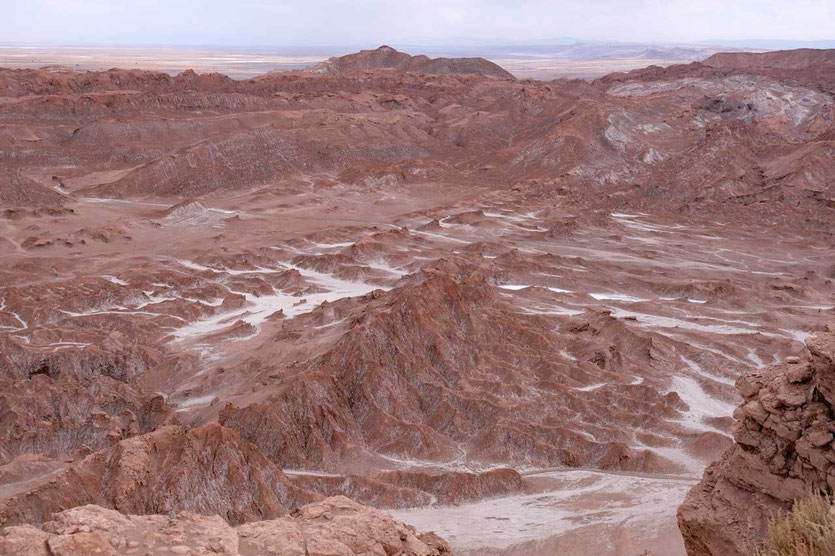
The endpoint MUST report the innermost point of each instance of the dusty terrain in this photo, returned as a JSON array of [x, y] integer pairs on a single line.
[[508, 311], [236, 63], [579, 60]]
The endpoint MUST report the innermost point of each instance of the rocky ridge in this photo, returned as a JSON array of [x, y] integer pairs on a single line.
[[784, 449], [206, 469], [333, 526], [386, 57], [780, 59]]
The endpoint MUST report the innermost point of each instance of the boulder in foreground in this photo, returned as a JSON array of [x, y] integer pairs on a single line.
[[334, 526]]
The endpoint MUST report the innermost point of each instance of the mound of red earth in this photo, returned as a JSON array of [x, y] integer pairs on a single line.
[[385, 57], [206, 470], [808, 67], [784, 450], [443, 370], [333, 526]]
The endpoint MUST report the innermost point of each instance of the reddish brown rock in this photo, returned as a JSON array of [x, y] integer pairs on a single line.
[[444, 368], [207, 470], [333, 526], [783, 450]]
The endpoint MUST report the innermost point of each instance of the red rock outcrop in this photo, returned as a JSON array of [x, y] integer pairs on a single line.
[[783, 450], [207, 470], [458, 487], [333, 526], [439, 370]]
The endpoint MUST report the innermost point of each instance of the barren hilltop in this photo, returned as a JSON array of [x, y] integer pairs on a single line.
[[385, 57]]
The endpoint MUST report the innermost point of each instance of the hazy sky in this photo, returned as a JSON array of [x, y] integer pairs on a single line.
[[371, 22]]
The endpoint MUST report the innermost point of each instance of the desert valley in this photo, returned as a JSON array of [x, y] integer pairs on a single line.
[[394, 304]]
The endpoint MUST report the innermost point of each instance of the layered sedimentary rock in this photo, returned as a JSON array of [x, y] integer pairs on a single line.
[[784, 433], [444, 369], [333, 526]]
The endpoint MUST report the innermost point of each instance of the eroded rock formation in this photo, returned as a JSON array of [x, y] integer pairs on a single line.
[[207, 470], [333, 526], [783, 450]]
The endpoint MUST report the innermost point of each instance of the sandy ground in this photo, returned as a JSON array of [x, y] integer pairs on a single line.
[[577, 510], [238, 64]]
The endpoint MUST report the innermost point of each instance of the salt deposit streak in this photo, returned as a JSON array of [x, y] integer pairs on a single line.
[[701, 404], [558, 311], [114, 280], [617, 297], [659, 321], [439, 236], [258, 309], [309, 472], [583, 497], [195, 266], [119, 310], [590, 387], [185, 405], [517, 287], [384, 266], [700, 371], [334, 245]]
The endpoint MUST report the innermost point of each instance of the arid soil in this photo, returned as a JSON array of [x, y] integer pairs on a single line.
[[580, 60], [508, 311]]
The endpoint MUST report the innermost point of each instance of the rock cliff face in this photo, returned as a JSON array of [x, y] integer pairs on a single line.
[[334, 526], [784, 433]]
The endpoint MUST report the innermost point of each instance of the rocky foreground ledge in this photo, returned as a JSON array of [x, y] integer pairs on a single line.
[[784, 450], [333, 526]]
